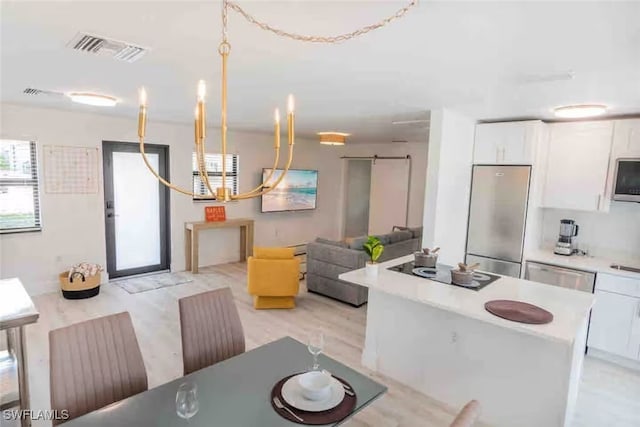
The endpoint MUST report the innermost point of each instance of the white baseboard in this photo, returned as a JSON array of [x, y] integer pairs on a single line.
[[618, 360], [35, 288]]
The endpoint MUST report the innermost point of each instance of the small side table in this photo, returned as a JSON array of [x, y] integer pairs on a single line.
[[17, 311], [191, 238]]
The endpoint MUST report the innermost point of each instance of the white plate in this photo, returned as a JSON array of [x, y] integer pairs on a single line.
[[292, 394]]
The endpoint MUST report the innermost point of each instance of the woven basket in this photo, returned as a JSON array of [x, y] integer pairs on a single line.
[[79, 286]]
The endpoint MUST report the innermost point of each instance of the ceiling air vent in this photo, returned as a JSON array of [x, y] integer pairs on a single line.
[[32, 91], [119, 50]]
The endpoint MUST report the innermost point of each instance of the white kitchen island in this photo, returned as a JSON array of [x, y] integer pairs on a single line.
[[438, 339]]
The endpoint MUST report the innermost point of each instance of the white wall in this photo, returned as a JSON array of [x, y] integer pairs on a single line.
[[73, 225], [614, 235], [448, 184]]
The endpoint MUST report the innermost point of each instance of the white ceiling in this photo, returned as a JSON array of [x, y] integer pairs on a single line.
[[483, 58]]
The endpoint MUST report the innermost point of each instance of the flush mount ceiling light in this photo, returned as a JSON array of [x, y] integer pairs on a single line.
[[93, 99], [333, 138], [580, 111]]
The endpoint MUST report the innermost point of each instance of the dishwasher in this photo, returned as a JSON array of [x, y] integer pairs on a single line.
[[560, 276]]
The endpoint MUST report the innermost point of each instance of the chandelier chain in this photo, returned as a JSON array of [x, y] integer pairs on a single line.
[[314, 39], [224, 20]]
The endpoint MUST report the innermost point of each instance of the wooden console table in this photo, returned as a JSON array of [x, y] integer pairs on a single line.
[[191, 238]]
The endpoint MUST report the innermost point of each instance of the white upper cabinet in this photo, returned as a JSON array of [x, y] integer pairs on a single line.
[[505, 143], [626, 138], [577, 166]]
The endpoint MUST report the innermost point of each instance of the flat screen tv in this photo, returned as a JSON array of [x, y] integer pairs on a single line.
[[296, 192]]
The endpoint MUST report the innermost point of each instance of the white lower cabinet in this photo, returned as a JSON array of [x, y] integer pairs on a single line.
[[615, 318]]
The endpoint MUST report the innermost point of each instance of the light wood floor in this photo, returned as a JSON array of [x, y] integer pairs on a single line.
[[609, 395]]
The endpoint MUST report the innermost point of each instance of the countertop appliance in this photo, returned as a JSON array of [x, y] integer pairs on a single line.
[[442, 273], [497, 214], [560, 276], [566, 244], [627, 180]]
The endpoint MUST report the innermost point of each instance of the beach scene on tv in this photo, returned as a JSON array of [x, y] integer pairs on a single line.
[[297, 191]]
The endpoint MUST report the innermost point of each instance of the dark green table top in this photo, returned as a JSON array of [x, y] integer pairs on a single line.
[[231, 393]]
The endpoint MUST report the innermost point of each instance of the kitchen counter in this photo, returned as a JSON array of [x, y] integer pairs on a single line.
[[569, 307], [584, 262], [439, 339]]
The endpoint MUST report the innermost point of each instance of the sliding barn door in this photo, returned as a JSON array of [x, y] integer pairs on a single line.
[[389, 195], [358, 190]]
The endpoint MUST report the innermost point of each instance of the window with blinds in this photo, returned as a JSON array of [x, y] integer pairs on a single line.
[[214, 169], [19, 196]]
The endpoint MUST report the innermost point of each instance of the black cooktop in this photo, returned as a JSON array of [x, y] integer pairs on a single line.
[[442, 273]]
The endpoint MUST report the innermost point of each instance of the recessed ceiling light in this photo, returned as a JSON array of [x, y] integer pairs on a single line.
[[333, 138], [93, 99], [580, 111]]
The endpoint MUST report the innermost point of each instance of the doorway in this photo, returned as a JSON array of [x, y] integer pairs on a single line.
[[136, 207]]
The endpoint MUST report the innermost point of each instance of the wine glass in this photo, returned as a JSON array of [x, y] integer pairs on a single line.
[[315, 345], [187, 400]]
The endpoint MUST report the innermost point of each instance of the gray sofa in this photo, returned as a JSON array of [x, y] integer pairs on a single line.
[[327, 259]]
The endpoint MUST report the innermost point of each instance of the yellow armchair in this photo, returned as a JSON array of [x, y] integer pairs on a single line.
[[273, 277]]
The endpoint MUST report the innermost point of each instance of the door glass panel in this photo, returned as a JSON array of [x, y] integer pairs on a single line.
[[137, 211]]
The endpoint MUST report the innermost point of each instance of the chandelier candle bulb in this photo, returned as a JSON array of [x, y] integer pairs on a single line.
[[202, 90], [142, 114], [143, 97], [276, 143]]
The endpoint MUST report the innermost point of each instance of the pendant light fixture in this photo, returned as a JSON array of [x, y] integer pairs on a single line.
[[224, 193]]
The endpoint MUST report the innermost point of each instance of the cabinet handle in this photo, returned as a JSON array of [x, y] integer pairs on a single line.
[[639, 309]]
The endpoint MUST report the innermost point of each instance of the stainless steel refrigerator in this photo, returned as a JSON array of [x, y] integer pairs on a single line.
[[497, 217]]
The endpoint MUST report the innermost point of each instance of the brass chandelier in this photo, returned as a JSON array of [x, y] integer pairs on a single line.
[[224, 193]]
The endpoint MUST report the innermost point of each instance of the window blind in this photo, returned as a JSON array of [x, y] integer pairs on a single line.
[[214, 169], [19, 191]]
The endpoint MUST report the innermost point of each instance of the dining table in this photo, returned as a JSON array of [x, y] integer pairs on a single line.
[[233, 393]]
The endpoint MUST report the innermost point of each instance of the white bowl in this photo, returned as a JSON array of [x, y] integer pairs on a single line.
[[315, 385]]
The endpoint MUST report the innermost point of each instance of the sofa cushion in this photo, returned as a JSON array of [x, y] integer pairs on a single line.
[[331, 242], [416, 232], [273, 253], [356, 242], [384, 238], [398, 236]]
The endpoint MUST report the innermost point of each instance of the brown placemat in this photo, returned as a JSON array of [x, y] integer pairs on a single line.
[[519, 311], [329, 416]]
